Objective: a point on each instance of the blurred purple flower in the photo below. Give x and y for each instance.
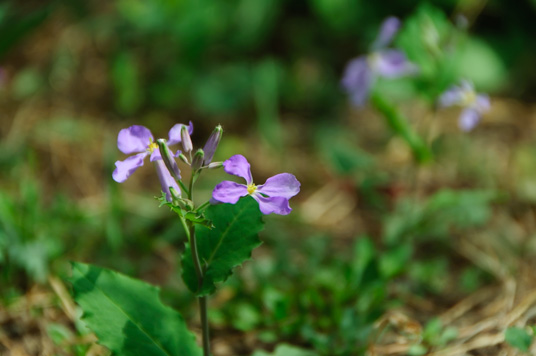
(474, 104)
(139, 140)
(272, 196)
(361, 72)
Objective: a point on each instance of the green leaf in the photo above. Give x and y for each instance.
(432, 330)
(364, 255)
(225, 246)
(481, 63)
(394, 261)
(127, 315)
(518, 338)
(432, 43)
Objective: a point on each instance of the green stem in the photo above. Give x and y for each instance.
(204, 325)
(184, 188)
(399, 124)
(200, 276)
(202, 207)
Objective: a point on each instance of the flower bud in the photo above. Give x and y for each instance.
(197, 161)
(166, 180)
(186, 140)
(168, 159)
(212, 144)
(184, 158)
(213, 165)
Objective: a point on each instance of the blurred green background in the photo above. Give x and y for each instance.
(370, 227)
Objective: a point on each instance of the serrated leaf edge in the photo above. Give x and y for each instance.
(211, 288)
(156, 289)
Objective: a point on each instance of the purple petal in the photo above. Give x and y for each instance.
(277, 205)
(283, 185)
(175, 133)
(166, 180)
(238, 166)
(468, 119)
(392, 63)
(124, 169)
(467, 85)
(389, 28)
(156, 155)
(229, 192)
(453, 96)
(482, 103)
(357, 80)
(134, 139)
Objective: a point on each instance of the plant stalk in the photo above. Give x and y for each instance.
(202, 300)
(399, 124)
(200, 275)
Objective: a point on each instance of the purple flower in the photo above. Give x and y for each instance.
(139, 140)
(361, 72)
(272, 196)
(474, 104)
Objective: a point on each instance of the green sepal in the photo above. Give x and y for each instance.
(184, 210)
(199, 218)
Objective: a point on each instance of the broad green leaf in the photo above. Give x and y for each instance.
(518, 338)
(127, 315)
(225, 246)
(482, 64)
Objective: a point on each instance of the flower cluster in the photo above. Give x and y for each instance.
(361, 72)
(273, 196)
(139, 140)
(474, 104)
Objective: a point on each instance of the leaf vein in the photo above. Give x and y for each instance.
(130, 318)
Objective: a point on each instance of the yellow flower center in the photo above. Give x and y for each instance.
(468, 98)
(152, 146)
(251, 188)
(373, 59)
